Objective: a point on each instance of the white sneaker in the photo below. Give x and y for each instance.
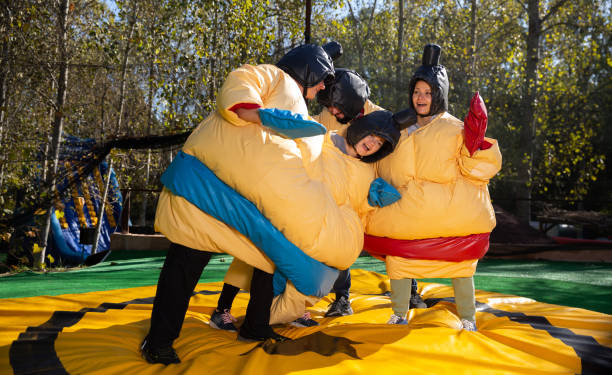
(468, 325)
(396, 319)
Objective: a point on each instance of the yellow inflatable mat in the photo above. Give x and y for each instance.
(100, 332)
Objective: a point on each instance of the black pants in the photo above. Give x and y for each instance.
(177, 280)
(342, 285)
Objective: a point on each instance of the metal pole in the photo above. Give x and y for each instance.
(307, 25)
(94, 247)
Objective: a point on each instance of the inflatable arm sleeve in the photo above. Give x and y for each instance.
(291, 125)
(475, 125)
(191, 179)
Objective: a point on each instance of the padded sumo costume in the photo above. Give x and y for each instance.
(342, 174)
(441, 225)
(314, 195)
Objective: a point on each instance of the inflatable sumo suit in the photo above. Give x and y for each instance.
(349, 93)
(441, 225)
(351, 182)
(311, 202)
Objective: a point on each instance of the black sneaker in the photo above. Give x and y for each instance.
(165, 355)
(304, 321)
(340, 307)
(246, 336)
(223, 320)
(416, 302)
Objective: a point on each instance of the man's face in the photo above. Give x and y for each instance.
(311, 92)
(369, 145)
(336, 112)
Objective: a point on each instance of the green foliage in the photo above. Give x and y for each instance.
(489, 56)
(178, 53)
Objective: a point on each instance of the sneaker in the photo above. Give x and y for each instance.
(304, 321)
(165, 355)
(416, 302)
(396, 319)
(340, 307)
(246, 336)
(468, 325)
(223, 320)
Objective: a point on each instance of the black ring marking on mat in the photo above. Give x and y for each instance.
(594, 357)
(34, 350)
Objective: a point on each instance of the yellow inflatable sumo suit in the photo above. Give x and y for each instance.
(348, 93)
(441, 225)
(314, 195)
(444, 194)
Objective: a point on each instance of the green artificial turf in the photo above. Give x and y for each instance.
(585, 285)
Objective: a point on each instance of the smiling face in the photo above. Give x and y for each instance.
(369, 145)
(421, 98)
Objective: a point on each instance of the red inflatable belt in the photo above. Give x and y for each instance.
(452, 249)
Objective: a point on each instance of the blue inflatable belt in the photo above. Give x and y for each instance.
(290, 124)
(191, 179)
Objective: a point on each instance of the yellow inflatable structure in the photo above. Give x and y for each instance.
(99, 333)
(309, 191)
(444, 194)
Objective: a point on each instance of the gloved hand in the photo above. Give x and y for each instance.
(291, 125)
(382, 193)
(475, 125)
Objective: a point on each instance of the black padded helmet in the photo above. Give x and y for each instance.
(348, 92)
(435, 75)
(308, 64)
(333, 49)
(380, 123)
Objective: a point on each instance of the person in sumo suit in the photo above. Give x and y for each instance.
(441, 166)
(298, 75)
(344, 101)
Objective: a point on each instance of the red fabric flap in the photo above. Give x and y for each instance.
(452, 249)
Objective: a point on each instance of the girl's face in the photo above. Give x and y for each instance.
(369, 145)
(421, 98)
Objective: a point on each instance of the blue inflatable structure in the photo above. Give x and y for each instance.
(76, 217)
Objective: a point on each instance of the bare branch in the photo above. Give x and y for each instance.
(522, 4)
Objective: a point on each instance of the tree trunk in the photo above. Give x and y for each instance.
(473, 42)
(307, 25)
(527, 106)
(3, 77)
(143, 208)
(4, 72)
(212, 84)
(58, 119)
(399, 63)
(126, 55)
(359, 36)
